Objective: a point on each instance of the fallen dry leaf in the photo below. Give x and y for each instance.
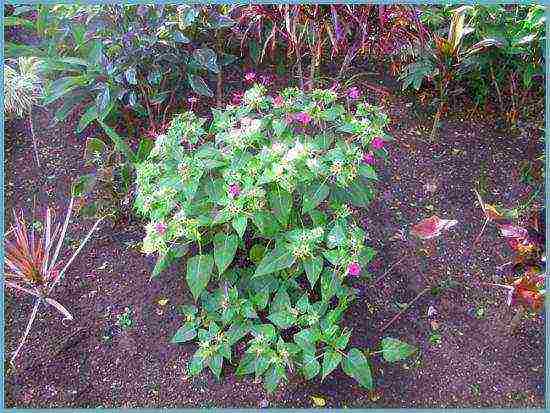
(512, 231)
(432, 227)
(318, 401)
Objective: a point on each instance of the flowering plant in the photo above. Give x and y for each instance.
(264, 194)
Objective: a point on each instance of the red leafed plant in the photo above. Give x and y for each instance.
(33, 264)
(526, 280)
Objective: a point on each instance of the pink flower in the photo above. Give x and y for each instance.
(250, 77)
(192, 100)
(354, 93)
(278, 101)
(234, 190)
(237, 98)
(354, 269)
(266, 79)
(303, 118)
(377, 143)
(368, 158)
(160, 227)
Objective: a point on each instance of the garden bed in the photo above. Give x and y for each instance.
(467, 356)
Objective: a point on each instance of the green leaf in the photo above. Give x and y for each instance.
(215, 363)
(199, 270)
(118, 141)
(313, 268)
(89, 116)
(196, 364)
(95, 149)
(336, 236)
(280, 202)
(130, 75)
(102, 100)
(207, 58)
(367, 171)
(357, 366)
(179, 37)
(267, 226)
(164, 261)
(331, 359)
(273, 376)
(394, 350)
(256, 253)
(199, 86)
(83, 185)
(261, 363)
(310, 365)
(305, 339)
(225, 247)
(313, 196)
(185, 333)
(239, 224)
(144, 148)
(246, 365)
(277, 260)
(282, 319)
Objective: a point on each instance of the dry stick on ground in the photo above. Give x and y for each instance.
(399, 314)
(487, 219)
(388, 270)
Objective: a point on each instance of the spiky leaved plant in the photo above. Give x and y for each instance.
(33, 264)
(22, 90)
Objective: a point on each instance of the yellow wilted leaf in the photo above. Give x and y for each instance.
(163, 301)
(318, 401)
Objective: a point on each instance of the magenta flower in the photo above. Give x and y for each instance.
(250, 77)
(377, 143)
(160, 227)
(266, 79)
(335, 86)
(303, 118)
(237, 98)
(354, 93)
(234, 190)
(278, 101)
(368, 158)
(192, 100)
(354, 269)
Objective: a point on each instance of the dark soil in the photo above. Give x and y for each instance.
(468, 358)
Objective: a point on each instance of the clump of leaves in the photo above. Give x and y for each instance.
(34, 265)
(525, 282)
(273, 180)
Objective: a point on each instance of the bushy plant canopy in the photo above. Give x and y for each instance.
(263, 197)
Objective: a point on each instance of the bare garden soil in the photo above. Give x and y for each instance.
(467, 357)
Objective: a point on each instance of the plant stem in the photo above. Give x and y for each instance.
(399, 314)
(27, 329)
(388, 270)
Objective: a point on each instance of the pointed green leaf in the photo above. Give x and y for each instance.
(313, 268)
(280, 202)
(394, 350)
(313, 196)
(310, 365)
(185, 333)
(282, 319)
(331, 359)
(239, 224)
(225, 247)
(215, 363)
(357, 366)
(199, 270)
(276, 260)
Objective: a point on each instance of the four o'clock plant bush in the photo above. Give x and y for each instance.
(259, 202)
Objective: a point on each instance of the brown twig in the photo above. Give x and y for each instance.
(388, 270)
(399, 314)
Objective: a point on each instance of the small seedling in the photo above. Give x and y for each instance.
(435, 339)
(480, 313)
(125, 320)
(475, 389)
